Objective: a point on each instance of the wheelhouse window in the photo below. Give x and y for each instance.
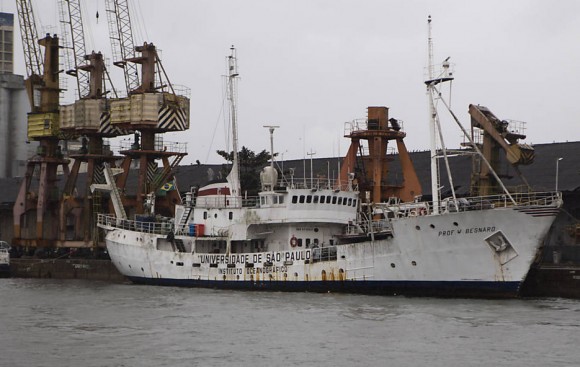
(309, 199)
(301, 199)
(315, 199)
(294, 199)
(334, 199)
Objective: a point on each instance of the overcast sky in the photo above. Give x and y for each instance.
(310, 66)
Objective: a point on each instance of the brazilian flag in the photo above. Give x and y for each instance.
(169, 186)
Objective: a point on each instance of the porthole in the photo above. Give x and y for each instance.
(432, 225)
(296, 274)
(129, 266)
(414, 263)
(392, 265)
(455, 224)
(142, 270)
(417, 228)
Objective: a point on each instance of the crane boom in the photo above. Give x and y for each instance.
(121, 35)
(71, 16)
(32, 53)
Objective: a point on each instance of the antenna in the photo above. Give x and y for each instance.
(272, 128)
(232, 97)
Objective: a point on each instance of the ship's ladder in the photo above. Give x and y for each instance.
(111, 187)
(184, 218)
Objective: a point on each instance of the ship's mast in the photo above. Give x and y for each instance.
(234, 176)
(432, 126)
(436, 136)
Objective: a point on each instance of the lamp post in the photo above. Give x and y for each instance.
(557, 170)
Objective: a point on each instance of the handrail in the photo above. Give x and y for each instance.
(524, 199)
(163, 228)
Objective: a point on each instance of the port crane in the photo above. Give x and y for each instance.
(496, 136)
(89, 117)
(38, 197)
(150, 108)
(371, 165)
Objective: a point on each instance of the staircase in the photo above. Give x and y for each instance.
(111, 187)
(184, 218)
(115, 195)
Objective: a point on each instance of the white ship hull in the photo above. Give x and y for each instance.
(471, 253)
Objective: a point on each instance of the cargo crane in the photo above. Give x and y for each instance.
(371, 168)
(36, 207)
(151, 107)
(121, 36)
(89, 116)
(496, 137)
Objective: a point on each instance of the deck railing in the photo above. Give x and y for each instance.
(163, 227)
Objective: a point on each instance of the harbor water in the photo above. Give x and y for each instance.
(89, 323)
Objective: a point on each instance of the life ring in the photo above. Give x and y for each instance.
(293, 241)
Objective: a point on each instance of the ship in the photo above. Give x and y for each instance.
(4, 259)
(347, 234)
